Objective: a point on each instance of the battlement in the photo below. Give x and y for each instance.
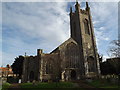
(83, 11)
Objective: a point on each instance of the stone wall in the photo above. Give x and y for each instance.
(31, 66)
(50, 66)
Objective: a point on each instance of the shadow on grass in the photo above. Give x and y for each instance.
(103, 84)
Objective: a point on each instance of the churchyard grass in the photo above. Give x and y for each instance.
(5, 86)
(103, 84)
(48, 85)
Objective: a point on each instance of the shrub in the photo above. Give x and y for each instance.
(12, 79)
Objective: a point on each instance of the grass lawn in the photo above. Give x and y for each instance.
(58, 85)
(100, 84)
(48, 85)
(5, 86)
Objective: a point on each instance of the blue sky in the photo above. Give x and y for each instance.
(27, 26)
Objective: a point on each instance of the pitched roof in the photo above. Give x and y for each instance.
(64, 43)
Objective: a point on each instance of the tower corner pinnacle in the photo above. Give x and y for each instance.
(77, 6)
(87, 6)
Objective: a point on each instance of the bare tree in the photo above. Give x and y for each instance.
(114, 49)
(7, 71)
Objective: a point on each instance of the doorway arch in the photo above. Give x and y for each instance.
(73, 75)
(31, 76)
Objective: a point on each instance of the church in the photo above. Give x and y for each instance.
(75, 59)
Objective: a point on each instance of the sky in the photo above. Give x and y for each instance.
(28, 26)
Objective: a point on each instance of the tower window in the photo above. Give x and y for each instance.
(74, 25)
(86, 26)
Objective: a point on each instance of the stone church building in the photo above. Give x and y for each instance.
(75, 59)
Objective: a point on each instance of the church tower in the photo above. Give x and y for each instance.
(82, 32)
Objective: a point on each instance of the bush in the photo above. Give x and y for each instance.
(12, 79)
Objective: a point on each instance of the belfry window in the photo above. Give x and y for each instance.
(86, 27)
(74, 26)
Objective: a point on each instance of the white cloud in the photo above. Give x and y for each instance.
(102, 28)
(104, 19)
(105, 57)
(100, 36)
(8, 57)
(34, 25)
(95, 22)
(44, 22)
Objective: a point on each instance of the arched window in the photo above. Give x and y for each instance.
(86, 27)
(49, 67)
(91, 67)
(31, 76)
(72, 55)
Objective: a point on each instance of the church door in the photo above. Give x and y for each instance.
(31, 76)
(73, 75)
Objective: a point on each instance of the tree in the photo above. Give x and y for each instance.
(114, 49)
(7, 71)
(100, 56)
(17, 66)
